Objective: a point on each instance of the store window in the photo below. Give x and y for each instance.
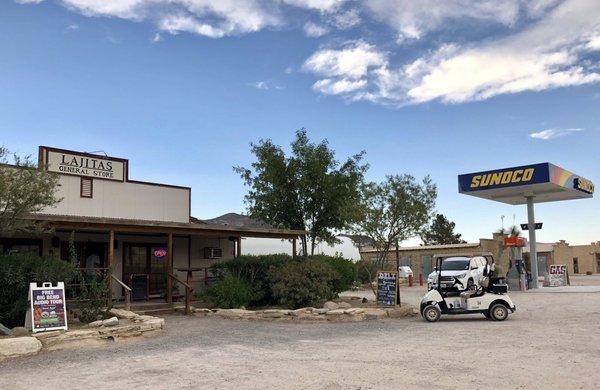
(21, 246)
(575, 265)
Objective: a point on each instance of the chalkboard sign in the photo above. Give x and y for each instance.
(139, 286)
(387, 285)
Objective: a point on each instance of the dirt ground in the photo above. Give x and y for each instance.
(552, 341)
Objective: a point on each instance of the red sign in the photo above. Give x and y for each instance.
(160, 253)
(514, 241)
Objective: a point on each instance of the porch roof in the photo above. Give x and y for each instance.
(143, 226)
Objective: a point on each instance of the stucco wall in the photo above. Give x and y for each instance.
(127, 200)
(585, 254)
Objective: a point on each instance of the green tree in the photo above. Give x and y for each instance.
(307, 190)
(24, 189)
(394, 210)
(440, 232)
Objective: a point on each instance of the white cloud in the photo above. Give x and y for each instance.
(413, 19)
(553, 133)
(72, 27)
(353, 61)
(550, 53)
(346, 20)
(333, 87)
(28, 1)
(157, 38)
(314, 30)
(320, 5)
(265, 85)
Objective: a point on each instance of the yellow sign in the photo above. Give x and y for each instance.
(584, 185)
(502, 177)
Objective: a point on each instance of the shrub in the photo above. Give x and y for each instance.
(302, 283)
(345, 269)
(16, 272)
(230, 293)
(254, 271)
(92, 298)
(366, 271)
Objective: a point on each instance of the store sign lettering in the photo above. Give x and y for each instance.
(85, 165)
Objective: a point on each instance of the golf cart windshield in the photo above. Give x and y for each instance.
(455, 264)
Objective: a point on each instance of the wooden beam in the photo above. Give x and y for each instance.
(294, 248)
(239, 246)
(111, 261)
(169, 266)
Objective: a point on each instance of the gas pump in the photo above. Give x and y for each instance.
(517, 274)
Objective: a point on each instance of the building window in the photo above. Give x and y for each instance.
(575, 265)
(405, 261)
(598, 262)
(86, 188)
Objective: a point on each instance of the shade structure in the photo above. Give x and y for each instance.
(545, 182)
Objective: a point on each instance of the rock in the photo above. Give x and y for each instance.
(236, 313)
(336, 312)
(375, 314)
(19, 331)
(112, 321)
(320, 311)
(354, 311)
(275, 313)
(95, 324)
(365, 300)
(4, 330)
(399, 312)
(301, 312)
(341, 315)
(19, 346)
(120, 313)
(329, 305)
(344, 305)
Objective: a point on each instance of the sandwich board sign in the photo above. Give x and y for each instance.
(557, 277)
(48, 307)
(387, 286)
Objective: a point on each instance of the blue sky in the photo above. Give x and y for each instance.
(182, 87)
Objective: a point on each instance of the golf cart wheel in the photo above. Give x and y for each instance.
(431, 313)
(498, 312)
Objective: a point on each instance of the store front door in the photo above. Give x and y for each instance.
(146, 259)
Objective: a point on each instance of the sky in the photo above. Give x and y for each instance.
(182, 87)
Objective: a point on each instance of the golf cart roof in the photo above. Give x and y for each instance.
(546, 182)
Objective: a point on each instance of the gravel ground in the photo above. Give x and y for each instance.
(552, 341)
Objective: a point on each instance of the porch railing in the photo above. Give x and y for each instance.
(127, 292)
(188, 292)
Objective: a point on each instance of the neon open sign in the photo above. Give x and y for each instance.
(160, 253)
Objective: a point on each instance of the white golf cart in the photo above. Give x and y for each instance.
(488, 297)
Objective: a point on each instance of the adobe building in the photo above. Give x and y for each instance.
(128, 228)
(579, 259)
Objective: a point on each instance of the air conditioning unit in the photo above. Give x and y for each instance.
(213, 253)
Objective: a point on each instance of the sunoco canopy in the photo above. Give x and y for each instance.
(545, 181)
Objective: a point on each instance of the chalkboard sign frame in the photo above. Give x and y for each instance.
(134, 296)
(395, 273)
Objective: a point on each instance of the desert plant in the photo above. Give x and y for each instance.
(302, 283)
(229, 293)
(365, 271)
(16, 272)
(345, 269)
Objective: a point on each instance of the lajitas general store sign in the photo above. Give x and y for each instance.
(88, 165)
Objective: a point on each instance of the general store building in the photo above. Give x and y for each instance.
(129, 228)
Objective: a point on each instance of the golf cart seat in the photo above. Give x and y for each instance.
(484, 282)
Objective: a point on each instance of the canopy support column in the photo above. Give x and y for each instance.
(169, 268)
(532, 242)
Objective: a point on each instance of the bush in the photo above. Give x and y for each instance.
(345, 269)
(92, 299)
(366, 271)
(230, 293)
(16, 272)
(253, 271)
(302, 283)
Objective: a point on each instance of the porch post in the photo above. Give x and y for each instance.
(169, 268)
(111, 261)
(294, 248)
(239, 247)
